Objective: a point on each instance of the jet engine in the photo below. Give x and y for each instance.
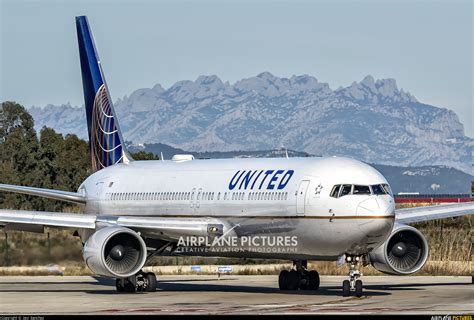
(404, 252)
(115, 252)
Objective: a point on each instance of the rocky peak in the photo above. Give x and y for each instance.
(374, 91)
(210, 81)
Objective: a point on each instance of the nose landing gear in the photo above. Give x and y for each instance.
(353, 284)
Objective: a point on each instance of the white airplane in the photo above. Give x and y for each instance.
(299, 209)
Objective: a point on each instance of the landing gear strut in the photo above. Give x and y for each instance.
(299, 277)
(353, 284)
(142, 281)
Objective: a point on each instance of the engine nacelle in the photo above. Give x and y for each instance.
(404, 252)
(115, 252)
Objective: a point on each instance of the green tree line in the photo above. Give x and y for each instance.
(45, 160)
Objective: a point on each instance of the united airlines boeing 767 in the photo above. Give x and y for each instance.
(298, 209)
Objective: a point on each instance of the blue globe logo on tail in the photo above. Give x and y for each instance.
(106, 146)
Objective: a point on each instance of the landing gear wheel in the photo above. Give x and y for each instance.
(283, 280)
(151, 282)
(358, 288)
(313, 280)
(119, 286)
(130, 287)
(293, 280)
(346, 288)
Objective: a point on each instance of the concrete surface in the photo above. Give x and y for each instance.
(235, 295)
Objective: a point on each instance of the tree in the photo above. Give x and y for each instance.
(75, 163)
(143, 155)
(51, 162)
(18, 150)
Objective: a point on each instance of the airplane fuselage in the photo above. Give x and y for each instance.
(257, 197)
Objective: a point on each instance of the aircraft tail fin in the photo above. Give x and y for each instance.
(105, 139)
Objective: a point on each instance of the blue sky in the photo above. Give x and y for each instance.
(425, 45)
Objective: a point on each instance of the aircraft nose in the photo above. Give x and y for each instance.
(387, 205)
(376, 206)
(368, 207)
(375, 220)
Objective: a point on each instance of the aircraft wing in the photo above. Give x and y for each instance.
(23, 219)
(47, 193)
(165, 228)
(417, 214)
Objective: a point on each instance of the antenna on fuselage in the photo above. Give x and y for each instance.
(161, 156)
(286, 153)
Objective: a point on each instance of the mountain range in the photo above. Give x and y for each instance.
(371, 120)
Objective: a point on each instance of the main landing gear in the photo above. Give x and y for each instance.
(299, 277)
(142, 281)
(353, 284)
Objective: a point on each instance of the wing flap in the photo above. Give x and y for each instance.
(46, 193)
(172, 228)
(418, 214)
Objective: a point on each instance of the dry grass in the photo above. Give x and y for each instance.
(324, 268)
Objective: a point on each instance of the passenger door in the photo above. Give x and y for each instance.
(301, 197)
(198, 198)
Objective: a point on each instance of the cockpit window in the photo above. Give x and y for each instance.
(340, 190)
(361, 189)
(387, 189)
(378, 189)
(335, 191)
(346, 189)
